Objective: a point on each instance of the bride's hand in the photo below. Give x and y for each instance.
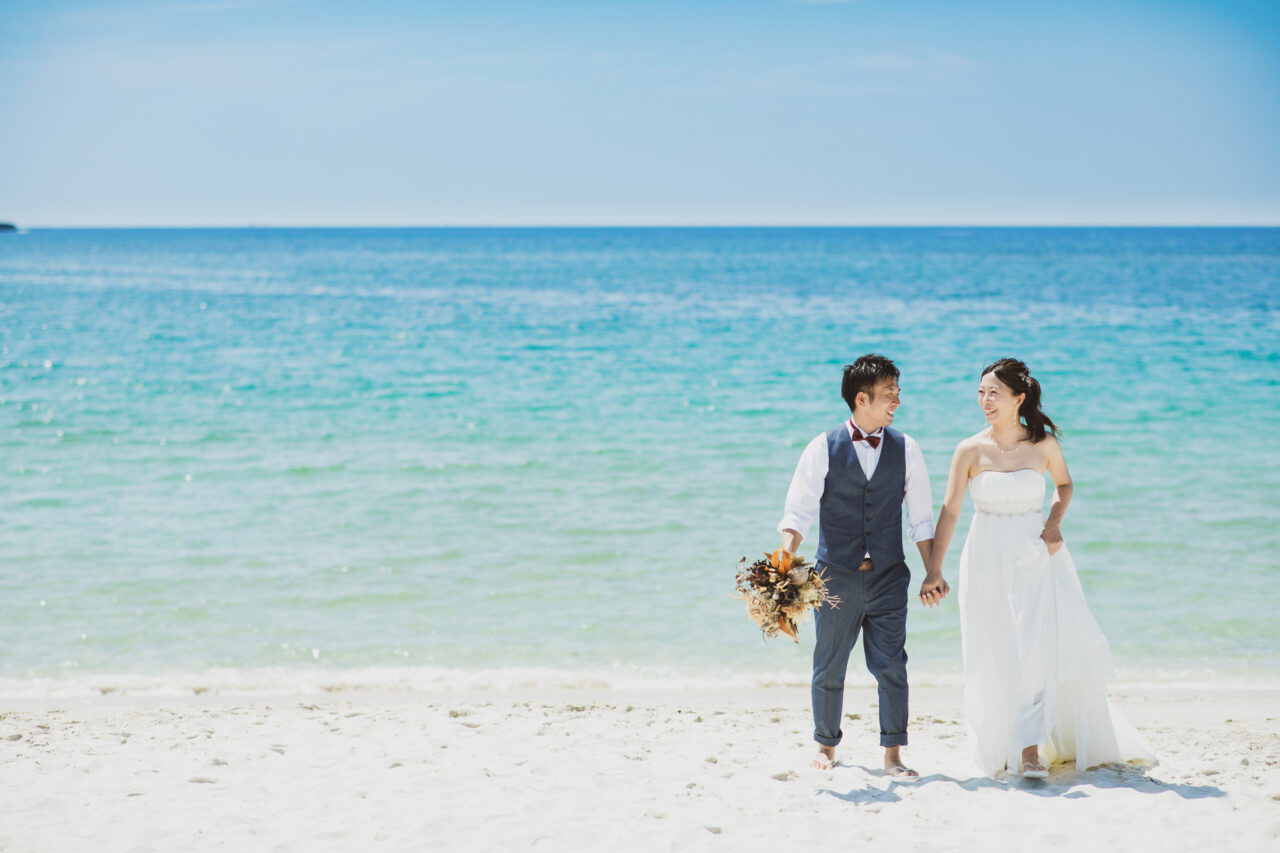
(1052, 537)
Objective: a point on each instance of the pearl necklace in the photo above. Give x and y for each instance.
(1013, 449)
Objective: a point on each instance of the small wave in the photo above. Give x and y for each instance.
(217, 437)
(411, 680)
(309, 470)
(42, 503)
(319, 681)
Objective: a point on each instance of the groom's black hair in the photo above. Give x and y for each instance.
(863, 376)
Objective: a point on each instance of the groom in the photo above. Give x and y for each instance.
(856, 479)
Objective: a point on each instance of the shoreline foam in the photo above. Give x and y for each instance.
(428, 680)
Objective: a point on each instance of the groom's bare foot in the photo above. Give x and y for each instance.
(894, 768)
(825, 759)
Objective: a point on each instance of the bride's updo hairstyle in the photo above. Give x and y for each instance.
(1014, 373)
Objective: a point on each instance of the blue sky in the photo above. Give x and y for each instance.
(309, 112)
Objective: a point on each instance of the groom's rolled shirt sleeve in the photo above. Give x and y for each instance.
(805, 494)
(918, 497)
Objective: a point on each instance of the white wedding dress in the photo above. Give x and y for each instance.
(1035, 661)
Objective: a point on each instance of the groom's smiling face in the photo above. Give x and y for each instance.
(876, 409)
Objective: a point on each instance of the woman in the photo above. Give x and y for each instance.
(1035, 661)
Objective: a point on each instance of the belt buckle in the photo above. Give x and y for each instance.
(865, 565)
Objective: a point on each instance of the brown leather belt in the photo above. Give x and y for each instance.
(865, 565)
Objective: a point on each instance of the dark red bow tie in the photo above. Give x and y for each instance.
(873, 440)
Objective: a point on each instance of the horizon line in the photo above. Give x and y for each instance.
(636, 225)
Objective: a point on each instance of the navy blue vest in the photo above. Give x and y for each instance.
(856, 517)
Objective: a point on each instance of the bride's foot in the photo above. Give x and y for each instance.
(1031, 766)
(895, 769)
(825, 759)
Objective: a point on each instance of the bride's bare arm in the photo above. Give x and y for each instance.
(1062, 489)
(957, 485)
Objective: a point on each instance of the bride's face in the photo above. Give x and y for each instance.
(998, 402)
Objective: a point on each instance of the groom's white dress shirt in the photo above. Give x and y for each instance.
(805, 494)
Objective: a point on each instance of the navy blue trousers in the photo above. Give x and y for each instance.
(875, 604)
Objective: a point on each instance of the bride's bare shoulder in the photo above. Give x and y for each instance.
(973, 442)
(968, 451)
(1049, 448)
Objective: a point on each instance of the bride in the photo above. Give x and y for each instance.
(1035, 661)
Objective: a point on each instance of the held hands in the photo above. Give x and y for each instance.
(1052, 537)
(934, 589)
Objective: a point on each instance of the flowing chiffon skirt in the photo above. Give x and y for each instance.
(1036, 663)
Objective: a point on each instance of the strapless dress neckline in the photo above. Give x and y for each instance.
(1008, 492)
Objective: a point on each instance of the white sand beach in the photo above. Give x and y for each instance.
(593, 769)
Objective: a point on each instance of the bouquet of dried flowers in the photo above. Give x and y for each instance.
(779, 590)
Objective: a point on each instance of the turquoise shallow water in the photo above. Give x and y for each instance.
(344, 449)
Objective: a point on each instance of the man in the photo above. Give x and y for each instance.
(855, 480)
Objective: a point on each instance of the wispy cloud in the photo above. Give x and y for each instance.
(885, 62)
(113, 18)
(874, 73)
(225, 5)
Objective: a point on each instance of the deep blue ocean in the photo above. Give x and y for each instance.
(426, 453)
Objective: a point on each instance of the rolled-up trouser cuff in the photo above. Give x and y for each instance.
(899, 739)
(830, 741)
